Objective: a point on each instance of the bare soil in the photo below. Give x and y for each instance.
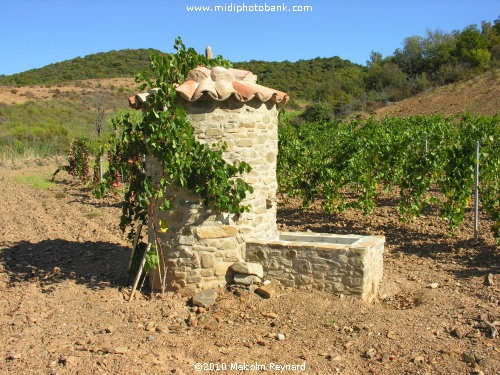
(72, 90)
(478, 96)
(64, 308)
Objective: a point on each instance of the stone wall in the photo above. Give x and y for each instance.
(199, 245)
(340, 264)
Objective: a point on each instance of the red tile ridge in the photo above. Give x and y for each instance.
(219, 84)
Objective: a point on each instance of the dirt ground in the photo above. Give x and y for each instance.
(63, 307)
(480, 96)
(71, 90)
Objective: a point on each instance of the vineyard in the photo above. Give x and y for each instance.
(429, 160)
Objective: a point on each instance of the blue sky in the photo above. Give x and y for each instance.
(36, 33)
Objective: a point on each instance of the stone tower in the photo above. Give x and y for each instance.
(223, 105)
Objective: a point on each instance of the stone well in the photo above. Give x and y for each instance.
(226, 105)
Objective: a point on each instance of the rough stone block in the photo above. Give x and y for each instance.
(246, 280)
(215, 231)
(248, 268)
(193, 279)
(302, 266)
(266, 291)
(214, 132)
(205, 298)
(245, 142)
(207, 273)
(221, 268)
(207, 261)
(186, 240)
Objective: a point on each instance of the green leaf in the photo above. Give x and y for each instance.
(163, 226)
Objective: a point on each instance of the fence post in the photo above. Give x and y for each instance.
(476, 193)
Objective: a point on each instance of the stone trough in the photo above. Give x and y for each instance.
(344, 264)
(200, 246)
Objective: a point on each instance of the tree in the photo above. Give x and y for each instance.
(471, 48)
(410, 59)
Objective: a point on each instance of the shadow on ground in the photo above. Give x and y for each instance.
(94, 264)
(76, 193)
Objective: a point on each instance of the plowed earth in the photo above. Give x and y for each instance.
(64, 308)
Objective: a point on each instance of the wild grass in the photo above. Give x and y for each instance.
(38, 182)
(93, 215)
(46, 128)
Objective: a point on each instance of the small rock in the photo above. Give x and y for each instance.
(459, 331)
(469, 358)
(266, 291)
(270, 315)
(205, 298)
(248, 268)
(281, 337)
(370, 353)
(119, 350)
(252, 288)
(160, 328)
(477, 372)
(419, 359)
(488, 280)
(484, 317)
(13, 356)
(261, 343)
(192, 321)
(201, 310)
(266, 282)
(62, 360)
(150, 338)
(433, 285)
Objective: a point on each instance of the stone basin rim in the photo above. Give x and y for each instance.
(303, 239)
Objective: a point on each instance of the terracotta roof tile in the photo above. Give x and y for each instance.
(220, 84)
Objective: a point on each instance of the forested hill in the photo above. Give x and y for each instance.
(335, 86)
(112, 64)
(314, 79)
(302, 79)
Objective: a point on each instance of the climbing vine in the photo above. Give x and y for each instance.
(164, 132)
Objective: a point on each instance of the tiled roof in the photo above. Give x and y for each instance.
(220, 84)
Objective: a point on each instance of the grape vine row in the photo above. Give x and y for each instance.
(348, 164)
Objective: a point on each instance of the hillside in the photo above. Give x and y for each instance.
(325, 78)
(112, 64)
(480, 95)
(72, 90)
(342, 88)
(314, 79)
(43, 119)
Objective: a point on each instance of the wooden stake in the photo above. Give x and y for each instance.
(139, 272)
(134, 245)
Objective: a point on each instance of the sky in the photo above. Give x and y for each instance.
(37, 33)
